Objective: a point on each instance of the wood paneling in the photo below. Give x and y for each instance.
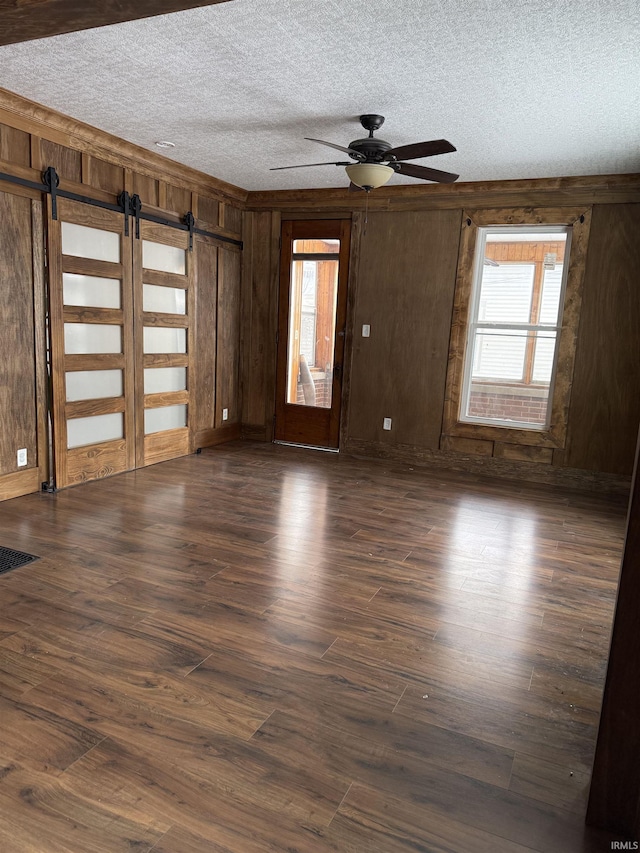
(178, 199)
(259, 318)
(232, 218)
(36, 19)
(474, 446)
(614, 802)
(605, 401)
(522, 452)
(468, 462)
(23, 482)
(204, 393)
(66, 161)
(208, 210)
(543, 192)
(18, 412)
(407, 272)
(228, 337)
(241, 652)
(146, 187)
(15, 146)
(105, 176)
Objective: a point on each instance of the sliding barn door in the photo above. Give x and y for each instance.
(164, 303)
(92, 355)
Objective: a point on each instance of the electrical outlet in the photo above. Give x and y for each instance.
(386, 423)
(366, 330)
(22, 457)
(225, 414)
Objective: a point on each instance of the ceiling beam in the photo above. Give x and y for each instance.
(24, 20)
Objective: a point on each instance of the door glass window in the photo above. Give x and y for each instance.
(158, 256)
(85, 338)
(91, 291)
(165, 300)
(160, 339)
(160, 380)
(164, 418)
(93, 384)
(312, 322)
(83, 242)
(83, 431)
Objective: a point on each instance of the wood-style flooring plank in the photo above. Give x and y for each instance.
(262, 648)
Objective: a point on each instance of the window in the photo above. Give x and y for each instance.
(515, 313)
(514, 329)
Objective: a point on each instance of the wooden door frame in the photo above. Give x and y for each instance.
(294, 229)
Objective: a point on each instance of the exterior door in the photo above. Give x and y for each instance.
(91, 315)
(311, 328)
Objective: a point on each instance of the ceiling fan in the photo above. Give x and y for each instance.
(376, 160)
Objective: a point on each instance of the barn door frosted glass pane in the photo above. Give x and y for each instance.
(83, 242)
(167, 300)
(83, 431)
(93, 384)
(158, 380)
(168, 417)
(157, 256)
(156, 339)
(312, 327)
(90, 291)
(91, 338)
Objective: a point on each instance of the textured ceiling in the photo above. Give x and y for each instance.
(522, 88)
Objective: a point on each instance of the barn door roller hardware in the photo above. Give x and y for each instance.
(128, 205)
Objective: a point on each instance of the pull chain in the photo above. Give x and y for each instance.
(366, 213)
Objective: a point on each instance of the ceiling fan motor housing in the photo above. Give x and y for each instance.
(373, 150)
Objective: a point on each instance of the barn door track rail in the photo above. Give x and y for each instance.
(128, 205)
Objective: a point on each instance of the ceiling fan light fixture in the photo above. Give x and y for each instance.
(369, 176)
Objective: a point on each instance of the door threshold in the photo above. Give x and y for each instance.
(307, 446)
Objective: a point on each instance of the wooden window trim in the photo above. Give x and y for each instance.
(555, 435)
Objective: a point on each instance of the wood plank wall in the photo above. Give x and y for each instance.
(605, 400)
(259, 323)
(21, 348)
(96, 164)
(408, 273)
(404, 286)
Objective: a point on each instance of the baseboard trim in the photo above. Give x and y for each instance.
(219, 435)
(255, 432)
(531, 472)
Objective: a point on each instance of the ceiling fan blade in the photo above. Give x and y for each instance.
(427, 174)
(421, 149)
(350, 151)
(306, 166)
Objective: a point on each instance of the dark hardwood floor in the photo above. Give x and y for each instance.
(262, 648)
